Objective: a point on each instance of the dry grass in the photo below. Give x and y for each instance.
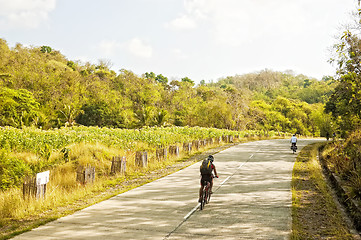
(315, 214)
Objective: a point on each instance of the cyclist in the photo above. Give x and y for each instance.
(207, 177)
(293, 140)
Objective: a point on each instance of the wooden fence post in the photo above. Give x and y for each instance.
(195, 145)
(118, 165)
(35, 186)
(174, 150)
(85, 174)
(187, 148)
(89, 174)
(123, 165)
(29, 187)
(201, 143)
(161, 154)
(141, 159)
(225, 138)
(40, 191)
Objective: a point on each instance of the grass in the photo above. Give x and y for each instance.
(315, 214)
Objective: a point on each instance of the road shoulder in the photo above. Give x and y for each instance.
(315, 212)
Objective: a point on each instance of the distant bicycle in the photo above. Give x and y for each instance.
(293, 148)
(293, 143)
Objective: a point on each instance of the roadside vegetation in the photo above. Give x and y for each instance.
(343, 160)
(315, 214)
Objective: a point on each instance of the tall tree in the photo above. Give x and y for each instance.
(345, 102)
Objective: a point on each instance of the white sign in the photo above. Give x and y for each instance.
(42, 178)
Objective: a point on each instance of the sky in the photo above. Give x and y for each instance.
(200, 39)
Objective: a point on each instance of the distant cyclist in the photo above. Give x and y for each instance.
(206, 172)
(293, 140)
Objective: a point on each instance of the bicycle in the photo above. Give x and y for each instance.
(293, 148)
(206, 196)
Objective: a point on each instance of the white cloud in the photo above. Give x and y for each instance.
(109, 47)
(184, 22)
(196, 10)
(179, 54)
(134, 47)
(234, 22)
(139, 48)
(25, 13)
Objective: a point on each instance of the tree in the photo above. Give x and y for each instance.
(159, 78)
(345, 102)
(17, 107)
(188, 80)
(46, 49)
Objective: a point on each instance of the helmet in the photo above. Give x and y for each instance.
(211, 158)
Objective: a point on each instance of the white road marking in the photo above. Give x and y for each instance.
(225, 180)
(241, 165)
(192, 211)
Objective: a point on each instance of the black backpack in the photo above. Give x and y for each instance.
(206, 167)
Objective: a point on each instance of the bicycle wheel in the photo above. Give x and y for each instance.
(208, 195)
(203, 200)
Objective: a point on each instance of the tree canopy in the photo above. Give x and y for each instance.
(39, 86)
(345, 101)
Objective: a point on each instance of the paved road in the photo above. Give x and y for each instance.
(252, 200)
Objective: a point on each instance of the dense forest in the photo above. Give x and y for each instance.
(39, 86)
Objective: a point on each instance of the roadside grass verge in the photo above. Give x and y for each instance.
(315, 215)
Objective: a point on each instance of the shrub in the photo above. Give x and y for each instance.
(12, 170)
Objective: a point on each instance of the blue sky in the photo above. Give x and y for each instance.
(199, 39)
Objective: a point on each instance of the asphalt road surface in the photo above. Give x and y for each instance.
(251, 200)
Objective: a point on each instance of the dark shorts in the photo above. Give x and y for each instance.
(206, 178)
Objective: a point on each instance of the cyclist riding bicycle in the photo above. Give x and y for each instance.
(206, 172)
(293, 141)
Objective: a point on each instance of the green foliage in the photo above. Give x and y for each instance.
(99, 114)
(18, 107)
(12, 171)
(290, 116)
(42, 142)
(65, 93)
(161, 79)
(46, 49)
(344, 158)
(188, 80)
(345, 102)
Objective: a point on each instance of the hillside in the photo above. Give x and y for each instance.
(39, 86)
